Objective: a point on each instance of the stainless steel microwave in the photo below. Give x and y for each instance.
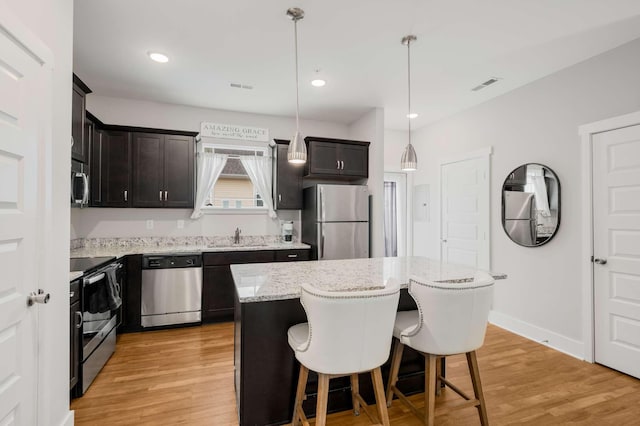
(79, 184)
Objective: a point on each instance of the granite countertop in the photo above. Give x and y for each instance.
(120, 247)
(278, 281)
(74, 275)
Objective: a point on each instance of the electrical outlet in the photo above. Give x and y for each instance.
(150, 224)
(180, 224)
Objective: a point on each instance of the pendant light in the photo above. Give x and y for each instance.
(297, 152)
(409, 161)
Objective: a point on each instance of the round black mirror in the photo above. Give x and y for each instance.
(531, 205)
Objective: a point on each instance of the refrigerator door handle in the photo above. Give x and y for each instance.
(321, 215)
(321, 256)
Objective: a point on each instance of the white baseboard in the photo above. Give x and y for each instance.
(540, 335)
(69, 420)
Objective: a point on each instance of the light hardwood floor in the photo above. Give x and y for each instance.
(185, 377)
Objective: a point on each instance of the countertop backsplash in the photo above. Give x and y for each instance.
(199, 241)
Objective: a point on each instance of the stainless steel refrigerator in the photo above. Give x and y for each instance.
(519, 216)
(335, 221)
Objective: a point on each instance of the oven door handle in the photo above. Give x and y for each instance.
(93, 279)
(80, 319)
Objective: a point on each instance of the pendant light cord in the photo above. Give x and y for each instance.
(409, 86)
(295, 34)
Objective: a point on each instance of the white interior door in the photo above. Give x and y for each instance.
(25, 133)
(464, 220)
(616, 215)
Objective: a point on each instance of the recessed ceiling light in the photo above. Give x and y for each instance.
(412, 115)
(318, 82)
(158, 57)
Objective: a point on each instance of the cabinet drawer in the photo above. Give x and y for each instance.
(291, 255)
(74, 291)
(233, 257)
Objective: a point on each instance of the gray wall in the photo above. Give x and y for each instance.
(536, 123)
(370, 127)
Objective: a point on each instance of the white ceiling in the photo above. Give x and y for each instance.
(355, 43)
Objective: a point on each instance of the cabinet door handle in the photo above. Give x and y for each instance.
(341, 165)
(79, 319)
(338, 164)
(279, 197)
(292, 255)
(125, 195)
(160, 196)
(71, 294)
(166, 195)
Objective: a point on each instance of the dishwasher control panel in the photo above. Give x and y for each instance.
(168, 261)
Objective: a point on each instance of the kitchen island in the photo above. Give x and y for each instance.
(268, 303)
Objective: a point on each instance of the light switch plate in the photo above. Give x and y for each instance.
(421, 203)
(150, 224)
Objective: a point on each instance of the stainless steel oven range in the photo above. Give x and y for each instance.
(101, 314)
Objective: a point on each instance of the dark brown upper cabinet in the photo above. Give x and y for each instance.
(80, 144)
(163, 172)
(287, 179)
(111, 169)
(337, 158)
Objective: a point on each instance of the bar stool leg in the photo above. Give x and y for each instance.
(323, 396)
(396, 358)
(302, 385)
(378, 388)
(438, 372)
(472, 361)
(355, 390)
(430, 375)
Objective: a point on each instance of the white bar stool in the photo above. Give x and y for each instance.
(348, 333)
(451, 319)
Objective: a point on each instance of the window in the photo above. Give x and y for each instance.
(234, 189)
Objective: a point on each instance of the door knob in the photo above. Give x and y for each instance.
(39, 297)
(600, 261)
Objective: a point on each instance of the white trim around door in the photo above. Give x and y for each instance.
(586, 133)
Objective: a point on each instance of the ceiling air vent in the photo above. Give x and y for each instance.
(240, 86)
(489, 82)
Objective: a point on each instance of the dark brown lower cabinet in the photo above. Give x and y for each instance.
(218, 288)
(132, 295)
(217, 293)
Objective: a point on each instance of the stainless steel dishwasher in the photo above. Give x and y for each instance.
(171, 289)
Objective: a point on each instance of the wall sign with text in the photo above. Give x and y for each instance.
(233, 131)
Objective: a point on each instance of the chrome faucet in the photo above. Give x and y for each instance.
(236, 236)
